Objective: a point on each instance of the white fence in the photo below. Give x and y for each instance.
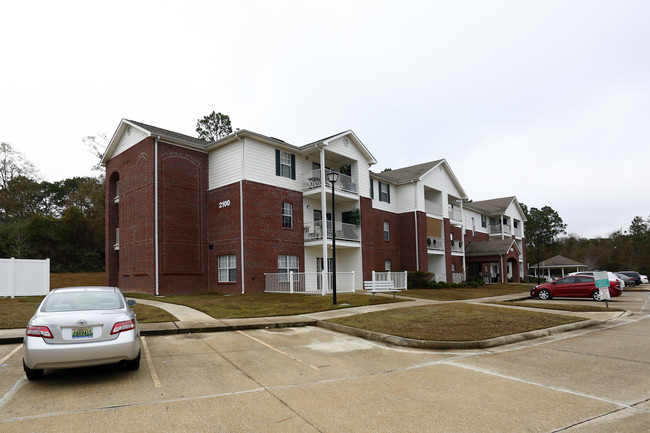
(22, 277)
(308, 282)
(398, 278)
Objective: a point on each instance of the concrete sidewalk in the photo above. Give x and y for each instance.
(191, 320)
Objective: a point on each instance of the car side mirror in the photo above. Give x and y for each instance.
(131, 302)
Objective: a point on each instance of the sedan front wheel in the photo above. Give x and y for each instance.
(544, 294)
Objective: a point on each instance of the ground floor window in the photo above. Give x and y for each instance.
(227, 269)
(387, 265)
(287, 264)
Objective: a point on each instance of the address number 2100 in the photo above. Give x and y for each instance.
(224, 203)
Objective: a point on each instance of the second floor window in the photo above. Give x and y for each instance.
(386, 231)
(285, 164)
(483, 221)
(384, 192)
(287, 215)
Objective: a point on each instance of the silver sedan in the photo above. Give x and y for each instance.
(81, 327)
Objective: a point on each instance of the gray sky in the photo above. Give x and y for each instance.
(545, 100)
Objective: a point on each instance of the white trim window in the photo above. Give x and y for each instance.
(384, 192)
(287, 216)
(227, 269)
(386, 231)
(285, 164)
(387, 265)
(287, 264)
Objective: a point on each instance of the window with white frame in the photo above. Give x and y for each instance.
(285, 164)
(453, 268)
(386, 231)
(227, 269)
(287, 264)
(387, 265)
(483, 221)
(287, 215)
(384, 192)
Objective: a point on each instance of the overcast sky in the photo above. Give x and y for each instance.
(545, 100)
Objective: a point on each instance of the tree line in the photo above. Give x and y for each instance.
(62, 221)
(622, 250)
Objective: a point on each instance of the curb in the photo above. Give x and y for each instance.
(440, 345)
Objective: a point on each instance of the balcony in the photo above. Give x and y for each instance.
(500, 228)
(433, 208)
(344, 232)
(344, 184)
(455, 214)
(457, 246)
(435, 244)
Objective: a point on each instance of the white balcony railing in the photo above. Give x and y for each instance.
(344, 231)
(434, 243)
(457, 247)
(308, 282)
(345, 182)
(500, 228)
(433, 207)
(455, 214)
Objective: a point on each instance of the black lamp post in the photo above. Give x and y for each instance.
(332, 177)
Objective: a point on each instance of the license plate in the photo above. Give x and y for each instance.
(82, 333)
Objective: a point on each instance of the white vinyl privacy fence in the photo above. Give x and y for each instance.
(23, 277)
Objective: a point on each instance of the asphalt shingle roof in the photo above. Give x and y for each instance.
(494, 206)
(169, 134)
(408, 174)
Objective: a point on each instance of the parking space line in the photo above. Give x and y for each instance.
(2, 361)
(279, 351)
(152, 370)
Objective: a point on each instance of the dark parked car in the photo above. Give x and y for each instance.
(634, 275)
(576, 286)
(629, 281)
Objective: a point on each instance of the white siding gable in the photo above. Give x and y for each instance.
(130, 138)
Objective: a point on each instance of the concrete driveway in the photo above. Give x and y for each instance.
(314, 380)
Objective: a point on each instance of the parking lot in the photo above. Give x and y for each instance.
(314, 380)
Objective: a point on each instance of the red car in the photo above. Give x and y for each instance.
(576, 286)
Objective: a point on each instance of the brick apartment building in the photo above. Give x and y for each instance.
(188, 216)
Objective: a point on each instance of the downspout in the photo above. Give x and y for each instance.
(156, 239)
(241, 213)
(462, 237)
(417, 240)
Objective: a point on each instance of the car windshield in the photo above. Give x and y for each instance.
(78, 301)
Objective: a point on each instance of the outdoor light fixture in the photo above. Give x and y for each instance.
(332, 177)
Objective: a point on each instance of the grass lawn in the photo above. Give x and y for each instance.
(454, 322)
(582, 308)
(468, 292)
(266, 304)
(15, 313)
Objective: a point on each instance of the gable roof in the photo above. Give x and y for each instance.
(151, 131)
(559, 261)
(415, 173)
(491, 247)
(496, 206)
(408, 174)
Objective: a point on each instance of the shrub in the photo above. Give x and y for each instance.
(420, 280)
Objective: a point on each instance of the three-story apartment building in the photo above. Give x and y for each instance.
(186, 216)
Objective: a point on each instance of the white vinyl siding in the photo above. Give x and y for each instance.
(128, 140)
(225, 166)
